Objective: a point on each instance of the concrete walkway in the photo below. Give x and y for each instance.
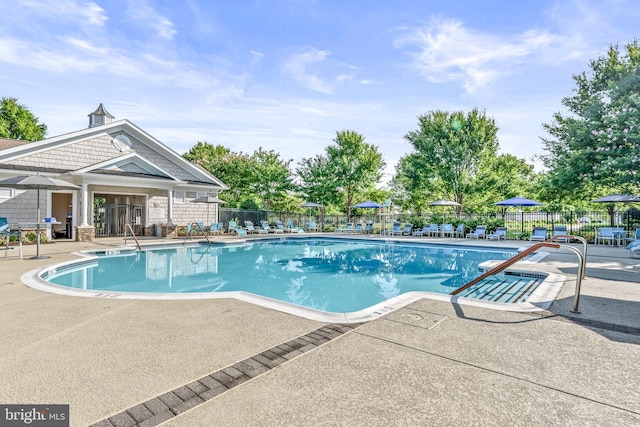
(430, 363)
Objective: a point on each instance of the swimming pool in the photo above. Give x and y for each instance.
(326, 275)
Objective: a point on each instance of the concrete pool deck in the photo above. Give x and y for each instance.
(429, 363)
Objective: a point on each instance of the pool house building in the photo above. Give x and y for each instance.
(123, 174)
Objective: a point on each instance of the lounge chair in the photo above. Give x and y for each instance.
(480, 233)
(633, 237)
(240, 231)
(560, 230)
(425, 230)
(279, 226)
(291, 228)
(447, 229)
(459, 232)
(501, 233)
(216, 228)
(265, 226)
(311, 226)
(368, 228)
(539, 234)
(232, 226)
(251, 229)
(348, 228)
(6, 233)
(359, 228)
(406, 231)
(434, 230)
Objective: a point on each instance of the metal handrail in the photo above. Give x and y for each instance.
(201, 229)
(127, 225)
(524, 253)
(584, 246)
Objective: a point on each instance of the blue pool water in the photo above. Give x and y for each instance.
(330, 275)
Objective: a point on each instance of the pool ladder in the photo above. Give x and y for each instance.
(127, 226)
(548, 244)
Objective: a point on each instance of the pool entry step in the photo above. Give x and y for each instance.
(503, 288)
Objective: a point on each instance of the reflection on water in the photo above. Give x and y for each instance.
(330, 275)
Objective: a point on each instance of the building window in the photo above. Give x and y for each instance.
(6, 193)
(200, 194)
(179, 196)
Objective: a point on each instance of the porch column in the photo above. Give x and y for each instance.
(170, 207)
(85, 204)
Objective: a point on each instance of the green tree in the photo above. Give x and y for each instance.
(357, 166)
(593, 149)
(234, 169)
(17, 122)
(451, 150)
(317, 182)
(506, 176)
(271, 178)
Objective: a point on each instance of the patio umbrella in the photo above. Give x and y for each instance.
(370, 205)
(208, 200)
(442, 202)
(611, 199)
(37, 182)
(519, 202)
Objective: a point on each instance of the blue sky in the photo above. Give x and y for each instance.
(286, 75)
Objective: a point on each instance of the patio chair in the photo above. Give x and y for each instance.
(347, 228)
(560, 230)
(406, 231)
(216, 228)
(368, 228)
(396, 230)
(358, 228)
(232, 226)
(251, 229)
(447, 229)
(479, 233)
(311, 226)
(635, 236)
(425, 230)
(291, 228)
(459, 231)
(434, 230)
(279, 226)
(266, 227)
(6, 233)
(539, 234)
(501, 233)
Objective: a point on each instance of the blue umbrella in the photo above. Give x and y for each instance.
(519, 201)
(522, 202)
(368, 204)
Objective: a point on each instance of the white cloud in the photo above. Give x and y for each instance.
(445, 50)
(306, 67)
(81, 11)
(142, 12)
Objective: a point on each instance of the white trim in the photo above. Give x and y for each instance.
(124, 126)
(116, 161)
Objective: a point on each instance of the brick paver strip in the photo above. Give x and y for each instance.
(166, 406)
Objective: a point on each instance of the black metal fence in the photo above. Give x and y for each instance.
(519, 223)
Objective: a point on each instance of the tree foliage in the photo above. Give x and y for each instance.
(262, 175)
(17, 122)
(451, 149)
(593, 150)
(356, 165)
